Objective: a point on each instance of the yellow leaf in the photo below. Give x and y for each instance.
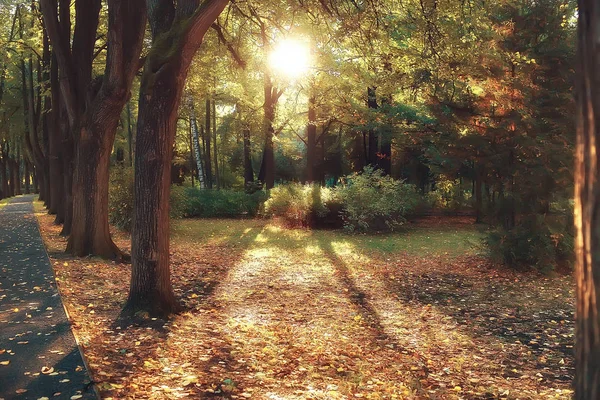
(457, 388)
(46, 370)
(4, 362)
(188, 380)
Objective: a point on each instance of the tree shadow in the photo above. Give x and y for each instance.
(498, 309)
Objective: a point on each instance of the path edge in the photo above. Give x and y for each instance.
(79, 347)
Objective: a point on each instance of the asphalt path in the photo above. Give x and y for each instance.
(39, 357)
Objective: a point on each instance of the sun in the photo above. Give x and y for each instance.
(291, 58)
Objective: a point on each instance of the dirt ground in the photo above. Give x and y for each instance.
(281, 314)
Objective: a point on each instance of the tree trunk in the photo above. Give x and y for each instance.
(267, 166)
(90, 229)
(248, 171)
(478, 196)
(129, 135)
(372, 135)
(67, 152)
(195, 137)
(207, 140)
(27, 177)
(587, 201)
(311, 141)
(160, 95)
(4, 178)
(55, 168)
(17, 172)
(216, 154)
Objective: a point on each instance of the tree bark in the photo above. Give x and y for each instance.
(587, 203)
(267, 168)
(248, 171)
(163, 79)
(90, 229)
(55, 168)
(195, 137)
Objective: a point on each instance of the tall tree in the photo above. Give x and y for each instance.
(587, 201)
(177, 33)
(94, 108)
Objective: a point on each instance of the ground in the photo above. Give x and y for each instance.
(276, 313)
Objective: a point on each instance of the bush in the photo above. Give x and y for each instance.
(300, 205)
(535, 242)
(448, 196)
(120, 197)
(372, 201)
(221, 203)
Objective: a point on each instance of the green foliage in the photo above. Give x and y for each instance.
(300, 205)
(120, 198)
(535, 242)
(221, 203)
(376, 202)
(448, 196)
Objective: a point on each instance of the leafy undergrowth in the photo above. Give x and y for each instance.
(274, 313)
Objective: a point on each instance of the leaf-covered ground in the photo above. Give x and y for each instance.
(274, 313)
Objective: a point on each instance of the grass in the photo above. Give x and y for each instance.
(413, 240)
(276, 313)
(4, 202)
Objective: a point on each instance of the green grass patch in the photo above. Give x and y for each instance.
(415, 241)
(4, 202)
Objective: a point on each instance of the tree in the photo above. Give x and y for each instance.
(94, 108)
(177, 33)
(587, 200)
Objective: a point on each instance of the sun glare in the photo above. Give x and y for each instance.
(291, 58)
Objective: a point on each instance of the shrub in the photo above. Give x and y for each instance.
(120, 199)
(448, 196)
(299, 205)
(373, 201)
(221, 203)
(535, 242)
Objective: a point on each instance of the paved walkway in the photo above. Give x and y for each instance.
(38, 354)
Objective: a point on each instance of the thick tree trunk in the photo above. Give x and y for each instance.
(68, 167)
(90, 230)
(55, 168)
(587, 202)
(160, 94)
(151, 288)
(267, 167)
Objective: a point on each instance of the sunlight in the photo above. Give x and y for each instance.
(291, 58)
